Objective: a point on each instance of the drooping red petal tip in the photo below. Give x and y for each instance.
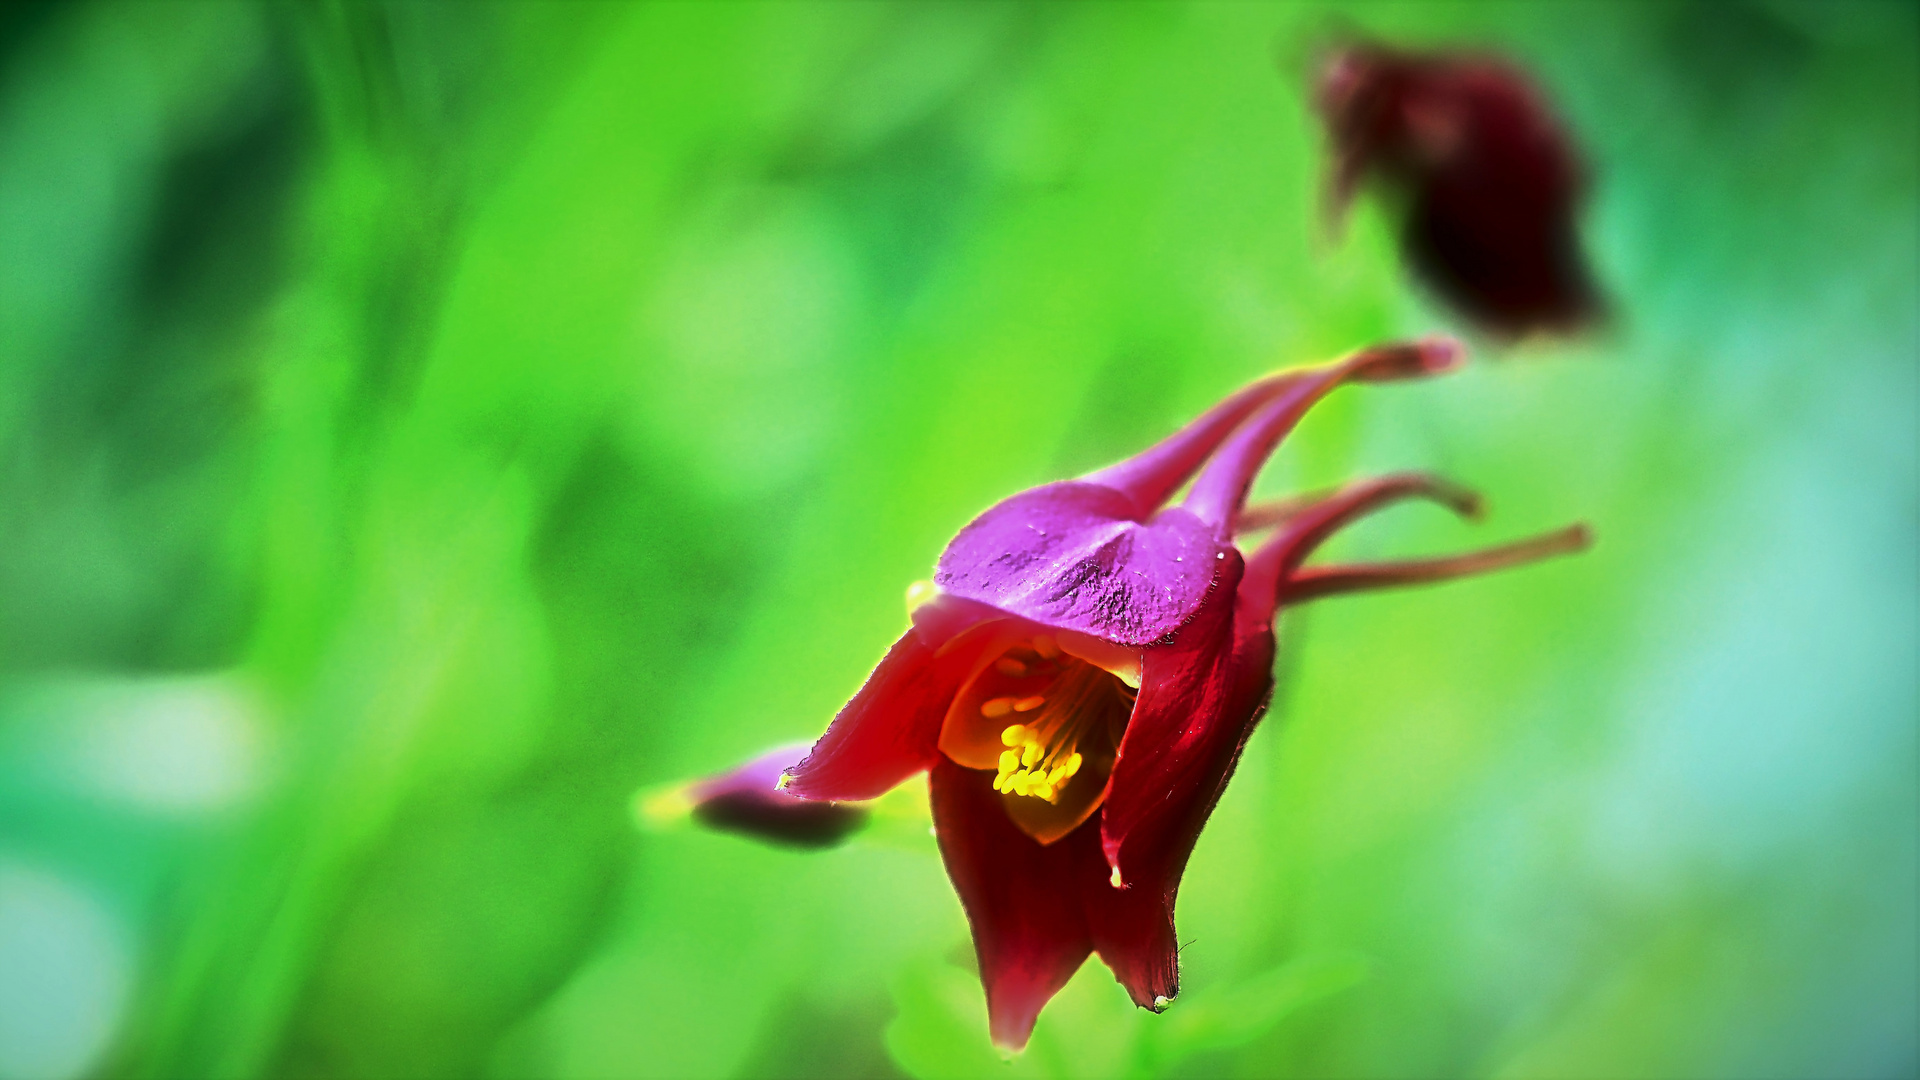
(1029, 931)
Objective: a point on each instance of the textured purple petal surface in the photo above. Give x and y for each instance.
(1070, 555)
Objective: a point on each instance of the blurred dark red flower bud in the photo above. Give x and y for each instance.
(1486, 178)
(749, 800)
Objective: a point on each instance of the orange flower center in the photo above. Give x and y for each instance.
(1051, 762)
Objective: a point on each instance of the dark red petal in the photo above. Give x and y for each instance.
(1221, 488)
(891, 728)
(1132, 927)
(780, 819)
(748, 800)
(1198, 696)
(1160, 814)
(1021, 900)
(1316, 582)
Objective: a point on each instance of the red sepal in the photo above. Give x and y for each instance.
(1186, 720)
(1020, 898)
(891, 728)
(1132, 927)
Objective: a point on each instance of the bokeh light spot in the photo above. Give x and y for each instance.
(64, 973)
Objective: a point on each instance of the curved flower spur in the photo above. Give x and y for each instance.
(1082, 675)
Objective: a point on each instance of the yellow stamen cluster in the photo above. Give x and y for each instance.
(1041, 754)
(1026, 766)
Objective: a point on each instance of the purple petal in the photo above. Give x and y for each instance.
(1071, 556)
(1082, 555)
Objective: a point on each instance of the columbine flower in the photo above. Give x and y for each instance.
(1489, 179)
(1084, 671)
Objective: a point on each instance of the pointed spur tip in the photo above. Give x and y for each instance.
(1460, 499)
(1567, 540)
(1437, 354)
(1434, 355)
(1441, 353)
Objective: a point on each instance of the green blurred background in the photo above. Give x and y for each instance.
(424, 426)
